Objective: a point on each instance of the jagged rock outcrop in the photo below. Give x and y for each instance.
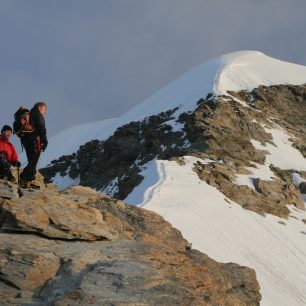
(121, 156)
(8, 190)
(285, 105)
(270, 197)
(79, 247)
(222, 129)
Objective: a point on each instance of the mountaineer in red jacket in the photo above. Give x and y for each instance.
(8, 155)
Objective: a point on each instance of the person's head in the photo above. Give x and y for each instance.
(25, 114)
(6, 131)
(41, 107)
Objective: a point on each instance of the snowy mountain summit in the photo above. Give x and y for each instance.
(244, 70)
(221, 154)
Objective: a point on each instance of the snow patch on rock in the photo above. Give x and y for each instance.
(282, 155)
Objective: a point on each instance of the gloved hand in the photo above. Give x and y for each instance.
(18, 164)
(44, 145)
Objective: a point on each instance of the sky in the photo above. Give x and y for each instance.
(95, 59)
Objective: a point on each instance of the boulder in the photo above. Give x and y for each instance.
(55, 216)
(80, 247)
(8, 190)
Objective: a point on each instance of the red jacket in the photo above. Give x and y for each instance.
(8, 151)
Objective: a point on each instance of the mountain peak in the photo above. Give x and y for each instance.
(236, 71)
(246, 70)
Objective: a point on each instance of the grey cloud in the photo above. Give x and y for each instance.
(96, 59)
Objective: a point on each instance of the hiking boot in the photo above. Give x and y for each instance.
(25, 184)
(34, 186)
(29, 185)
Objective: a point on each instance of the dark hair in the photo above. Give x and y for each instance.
(39, 104)
(6, 128)
(23, 111)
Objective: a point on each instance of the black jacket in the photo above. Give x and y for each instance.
(37, 120)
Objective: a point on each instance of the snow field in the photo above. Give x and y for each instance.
(64, 182)
(228, 233)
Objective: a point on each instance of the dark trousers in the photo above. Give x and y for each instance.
(5, 168)
(29, 172)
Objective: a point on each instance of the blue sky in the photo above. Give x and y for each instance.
(96, 59)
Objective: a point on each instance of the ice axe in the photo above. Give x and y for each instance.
(20, 193)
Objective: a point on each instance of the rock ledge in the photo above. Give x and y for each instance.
(79, 247)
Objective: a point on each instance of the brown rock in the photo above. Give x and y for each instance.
(223, 129)
(54, 216)
(148, 262)
(286, 105)
(280, 191)
(271, 197)
(8, 190)
(26, 270)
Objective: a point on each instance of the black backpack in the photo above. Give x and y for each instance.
(21, 125)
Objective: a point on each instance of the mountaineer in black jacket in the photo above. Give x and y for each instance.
(34, 143)
(37, 120)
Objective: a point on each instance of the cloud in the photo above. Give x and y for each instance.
(96, 59)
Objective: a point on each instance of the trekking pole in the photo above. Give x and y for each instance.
(20, 193)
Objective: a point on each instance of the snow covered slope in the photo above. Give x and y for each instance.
(274, 247)
(235, 71)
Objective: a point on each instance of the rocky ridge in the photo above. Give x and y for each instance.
(221, 129)
(80, 247)
(121, 156)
